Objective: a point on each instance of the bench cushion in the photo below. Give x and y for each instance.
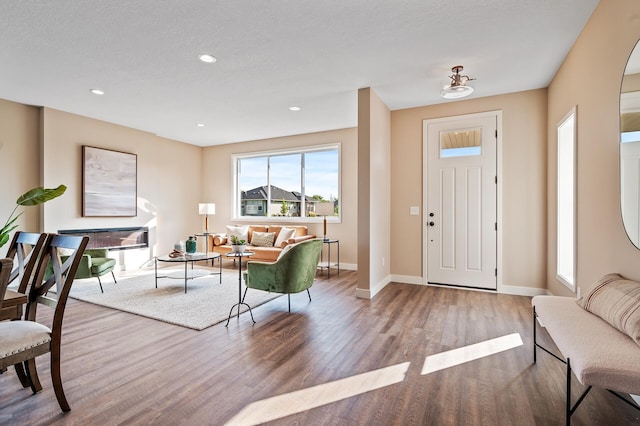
(600, 355)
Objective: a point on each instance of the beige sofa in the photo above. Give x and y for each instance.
(220, 243)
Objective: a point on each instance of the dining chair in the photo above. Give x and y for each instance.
(24, 251)
(5, 272)
(22, 341)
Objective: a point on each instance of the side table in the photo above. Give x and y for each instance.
(239, 256)
(328, 264)
(206, 243)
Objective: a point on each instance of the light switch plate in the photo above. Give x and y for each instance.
(414, 210)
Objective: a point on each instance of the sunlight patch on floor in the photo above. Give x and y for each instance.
(305, 399)
(459, 356)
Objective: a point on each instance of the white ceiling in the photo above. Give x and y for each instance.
(271, 54)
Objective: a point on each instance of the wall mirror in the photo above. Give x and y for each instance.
(630, 147)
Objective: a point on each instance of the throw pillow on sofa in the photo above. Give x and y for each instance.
(241, 232)
(284, 235)
(262, 239)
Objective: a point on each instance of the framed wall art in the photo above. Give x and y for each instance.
(109, 182)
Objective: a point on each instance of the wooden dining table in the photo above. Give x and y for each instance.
(12, 305)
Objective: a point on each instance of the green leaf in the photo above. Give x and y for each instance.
(40, 195)
(4, 238)
(7, 226)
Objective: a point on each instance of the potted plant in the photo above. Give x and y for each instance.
(237, 244)
(33, 197)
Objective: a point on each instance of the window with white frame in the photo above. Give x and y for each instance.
(566, 206)
(288, 184)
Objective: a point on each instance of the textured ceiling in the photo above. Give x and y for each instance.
(271, 55)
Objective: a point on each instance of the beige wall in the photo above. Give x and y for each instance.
(217, 178)
(523, 182)
(47, 145)
(590, 78)
(19, 156)
(374, 177)
(169, 181)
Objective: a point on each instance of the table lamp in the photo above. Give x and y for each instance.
(206, 209)
(325, 209)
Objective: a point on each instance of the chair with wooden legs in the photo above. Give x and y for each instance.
(22, 341)
(24, 251)
(5, 272)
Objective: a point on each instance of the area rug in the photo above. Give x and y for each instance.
(207, 302)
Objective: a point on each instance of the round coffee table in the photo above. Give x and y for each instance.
(195, 257)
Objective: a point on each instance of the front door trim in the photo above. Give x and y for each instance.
(425, 123)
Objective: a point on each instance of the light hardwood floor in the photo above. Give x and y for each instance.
(119, 368)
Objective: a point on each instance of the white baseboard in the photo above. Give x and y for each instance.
(406, 279)
(521, 291)
(502, 289)
(349, 266)
(362, 293)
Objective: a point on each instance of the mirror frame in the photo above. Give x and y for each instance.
(629, 114)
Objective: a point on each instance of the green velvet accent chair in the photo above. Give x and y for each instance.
(96, 263)
(293, 272)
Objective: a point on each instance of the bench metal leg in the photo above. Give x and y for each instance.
(572, 409)
(535, 342)
(568, 401)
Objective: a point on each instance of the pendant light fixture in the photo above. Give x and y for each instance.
(458, 87)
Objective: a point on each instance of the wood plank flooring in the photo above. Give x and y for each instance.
(120, 368)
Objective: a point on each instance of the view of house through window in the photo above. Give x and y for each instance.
(566, 199)
(288, 183)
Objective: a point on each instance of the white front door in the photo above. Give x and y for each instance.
(461, 211)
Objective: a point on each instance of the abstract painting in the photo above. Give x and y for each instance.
(109, 182)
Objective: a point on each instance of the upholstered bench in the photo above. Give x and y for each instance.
(594, 349)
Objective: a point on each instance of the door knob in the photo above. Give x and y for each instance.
(431, 214)
(431, 223)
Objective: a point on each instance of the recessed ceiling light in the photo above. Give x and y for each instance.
(205, 57)
(200, 124)
(97, 92)
(295, 108)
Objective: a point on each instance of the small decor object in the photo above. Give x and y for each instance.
(176, 253)
(179, 246)
(191, 244)
(33, 197)
(237, 244)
